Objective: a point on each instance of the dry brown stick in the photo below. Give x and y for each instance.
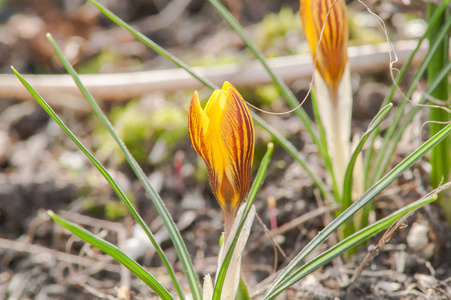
(389, 233)
(263, 285)
(294, 223)
(124, 289)
(96, 292)
(93, 222)
(66, 257)
(275, 244)
(121, 86)
(304, 218)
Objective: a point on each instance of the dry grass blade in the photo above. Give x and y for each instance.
(66, 257)
(274, 243)
(293, 224)
(375, 250)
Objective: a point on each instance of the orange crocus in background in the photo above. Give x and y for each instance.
(331, 56)
(325, 26)
(223, 135)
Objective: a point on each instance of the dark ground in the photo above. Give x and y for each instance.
(41, 169)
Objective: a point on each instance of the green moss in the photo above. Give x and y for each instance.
(115, 210)
(110, 209)
(363, 29)
(93, 207)
(215, 60)
(267, 94)
(139, 127)
(272, 31)
(106, 58)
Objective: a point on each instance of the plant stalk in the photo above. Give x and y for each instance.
(440, 157)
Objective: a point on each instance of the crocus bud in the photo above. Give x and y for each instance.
(223, 135)
(331, 57)
(325, 26)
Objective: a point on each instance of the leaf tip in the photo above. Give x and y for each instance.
(15, 72)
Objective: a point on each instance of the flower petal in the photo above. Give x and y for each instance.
(198, 124)
(305, 10)
(223, 135)
(205, 137)
(237, 132)
(332, 54)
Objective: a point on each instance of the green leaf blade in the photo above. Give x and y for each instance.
(114, 252)
(362, 201)
(167, 219)
(348, 244)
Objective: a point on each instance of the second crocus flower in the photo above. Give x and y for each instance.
(325, 26)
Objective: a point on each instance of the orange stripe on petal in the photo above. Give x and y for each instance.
(223, 135)
(332, 54)
(238, 135)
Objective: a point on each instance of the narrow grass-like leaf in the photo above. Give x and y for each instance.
(88, 154)
(148, 42)
(134, 165)
(115, 253)
(440, 158)
(348, 180)
(256, 185)
(242, 293)
(390, 146)
(283, 88)
(362, 201)
(400, 77)
(297, 156)
(347, 244)
(383, 157)
(402, 127)
(283, 142)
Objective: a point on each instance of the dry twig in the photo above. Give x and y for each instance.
(374, 251)
(122, 86)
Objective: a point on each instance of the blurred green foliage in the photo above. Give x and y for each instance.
(106, 60)
(364, 29)
(106, 207)
(267, 94)
(213, 59)
(140, 127)
(272, 32)
(115, 210)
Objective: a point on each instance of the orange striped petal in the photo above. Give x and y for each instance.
(223, 135)
(237, 132)
(332, 53)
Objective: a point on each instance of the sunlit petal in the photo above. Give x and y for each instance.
(331, 57)
(238, 136)
(326, 29)
(223, 135)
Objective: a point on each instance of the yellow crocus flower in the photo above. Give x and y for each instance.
(331, 56)
(325, 26)
(223, 135)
